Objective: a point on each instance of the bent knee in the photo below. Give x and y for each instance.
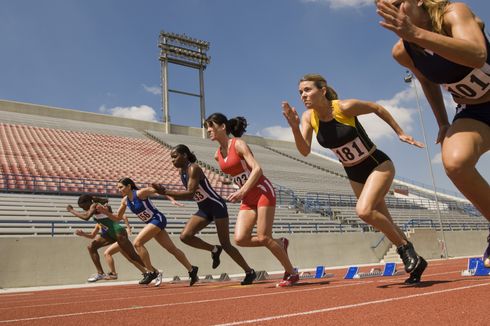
(185, 237)
(457, 163)
(364, 213)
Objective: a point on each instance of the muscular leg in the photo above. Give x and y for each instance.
(95, 245)
(193, 226)
(128, 251)
(223, 230)
(145, 235)
(264, 218)
(164, 240)
(370, 205)
(466, 141)
(112, 250)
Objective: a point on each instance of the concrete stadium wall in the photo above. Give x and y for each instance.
(37, 261)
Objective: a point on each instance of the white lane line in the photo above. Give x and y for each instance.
(153, 295)
(311, 312)
(181, 303)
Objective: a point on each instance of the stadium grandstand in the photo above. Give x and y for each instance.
(49, 156)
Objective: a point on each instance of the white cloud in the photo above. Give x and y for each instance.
(437, 159)
(142, 112)
(155, 90)
(377, 129)
(343, 3)
(285, 133)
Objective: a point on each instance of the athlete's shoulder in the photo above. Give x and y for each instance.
(194, 169)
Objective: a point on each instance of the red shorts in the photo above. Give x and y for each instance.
(262, 195)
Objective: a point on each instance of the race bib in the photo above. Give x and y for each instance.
(473, 86)
(351, 153)
(145, 215)
(240, 179)
(200, 195)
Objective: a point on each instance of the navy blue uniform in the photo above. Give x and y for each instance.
(460, 81)
(210, 204)
(146, 211)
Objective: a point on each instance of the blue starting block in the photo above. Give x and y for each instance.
(319, 273)
(388, 270)
(351, 272)
(476, 268)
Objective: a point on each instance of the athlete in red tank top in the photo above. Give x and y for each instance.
(258, 200)
(262, 193)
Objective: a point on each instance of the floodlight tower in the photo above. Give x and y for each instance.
(184, 51)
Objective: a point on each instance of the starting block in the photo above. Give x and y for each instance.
(351, 272)
(476, 268)
(262, 276)
(388, 270)
(319, 273)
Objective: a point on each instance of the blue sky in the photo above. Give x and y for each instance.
(102, 56)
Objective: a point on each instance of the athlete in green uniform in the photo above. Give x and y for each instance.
(112, 232)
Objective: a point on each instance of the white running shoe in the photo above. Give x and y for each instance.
(95, 278)
(159, 278)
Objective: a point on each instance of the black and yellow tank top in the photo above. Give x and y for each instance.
(344, 135)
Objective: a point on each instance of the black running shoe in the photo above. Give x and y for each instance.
(409, 256)
(215, 256)
(249, 278)
(148, 277)
(417, 272)
(193, 275)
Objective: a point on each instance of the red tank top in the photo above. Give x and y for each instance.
(235, 166)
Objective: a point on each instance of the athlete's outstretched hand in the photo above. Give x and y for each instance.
(290, 114)
(236, 196)
(80, 233)
(395, 19)
(442, 133)
(409, 139)
(174, 202)
(69, 208)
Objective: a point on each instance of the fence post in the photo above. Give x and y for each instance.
(52, 229)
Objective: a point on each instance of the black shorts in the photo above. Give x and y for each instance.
(210, 210)
(480, 112)
(360, 172)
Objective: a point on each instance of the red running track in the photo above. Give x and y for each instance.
(444, 297)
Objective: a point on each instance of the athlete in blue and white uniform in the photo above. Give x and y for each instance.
(140, 204)
(444, 43)
(211, 208)
(369, 170)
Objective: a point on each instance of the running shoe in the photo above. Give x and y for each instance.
(416, 274)
(292, 279)
(111, 276)
(96, 277)
(193, 275)
(409, 256)
(148, 277)
(159, 279)
(215, 256)
(285, 276)
(249, 277)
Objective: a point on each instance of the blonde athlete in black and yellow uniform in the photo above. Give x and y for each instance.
(370, 171)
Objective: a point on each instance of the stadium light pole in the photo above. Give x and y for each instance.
(182, 50)
(409, 79)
